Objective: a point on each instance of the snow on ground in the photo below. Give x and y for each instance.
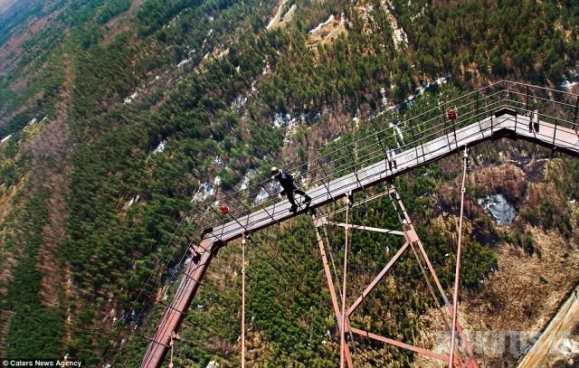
(275, 21)
(161, 147)
(568, 84)
(397, 129)
(132, 201)
(247, 179)
(238, 103)
(321, 25)
(270, 190)
(327, 31)
(183, 62)
(206, 190)
(572, 81)
(399, 35)
(130, 99)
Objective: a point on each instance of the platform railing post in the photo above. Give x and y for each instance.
(527, 97)
(555, 133)
(575, 117)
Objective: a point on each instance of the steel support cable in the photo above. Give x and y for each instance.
(243, 302)
(396, 209)
(430, 288)
(429, 285)
(344, 288)
(337, 278)
(458, 255)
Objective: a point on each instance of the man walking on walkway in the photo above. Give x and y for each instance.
(287, 183)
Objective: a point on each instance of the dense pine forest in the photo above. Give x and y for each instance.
(116, 116)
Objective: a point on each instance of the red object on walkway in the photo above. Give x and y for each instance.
(224, 209)
(452, 114)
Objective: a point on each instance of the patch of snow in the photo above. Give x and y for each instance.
(270, 188)
(238, 103)
(161, 147)
(247, 178)
(265, 70)
(205, 191)
(278, 16)
(499, 208)
(441, 80)
(281, 119)
(133, 200)
(183, 62)
(568, 347)
(399, 36)
(213, 364)
(566, 84)
(399, 131)
(130, 99)
(321, 25)
(384, 98)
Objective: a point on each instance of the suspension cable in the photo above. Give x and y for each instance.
(243, 302)
(458, 254)
(342, 332)
(334, 269)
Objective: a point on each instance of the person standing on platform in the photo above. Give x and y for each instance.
(287, 183)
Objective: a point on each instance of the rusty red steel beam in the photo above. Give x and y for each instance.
(416, 239)
(317, 223)
(374, 282)
(367, 228)
(174, 315)
(402, 345)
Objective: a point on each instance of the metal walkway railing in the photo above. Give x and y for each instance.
(505, 109)
(414, 134)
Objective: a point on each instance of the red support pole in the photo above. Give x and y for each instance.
(317, 223)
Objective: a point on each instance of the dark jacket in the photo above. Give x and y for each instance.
(286, 181)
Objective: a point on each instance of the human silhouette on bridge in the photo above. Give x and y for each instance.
(287, 183)
(391, 157)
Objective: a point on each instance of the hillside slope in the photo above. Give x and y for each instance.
(118, 118)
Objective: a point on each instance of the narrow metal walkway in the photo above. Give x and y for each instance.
(493, 127)
(506, 109)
